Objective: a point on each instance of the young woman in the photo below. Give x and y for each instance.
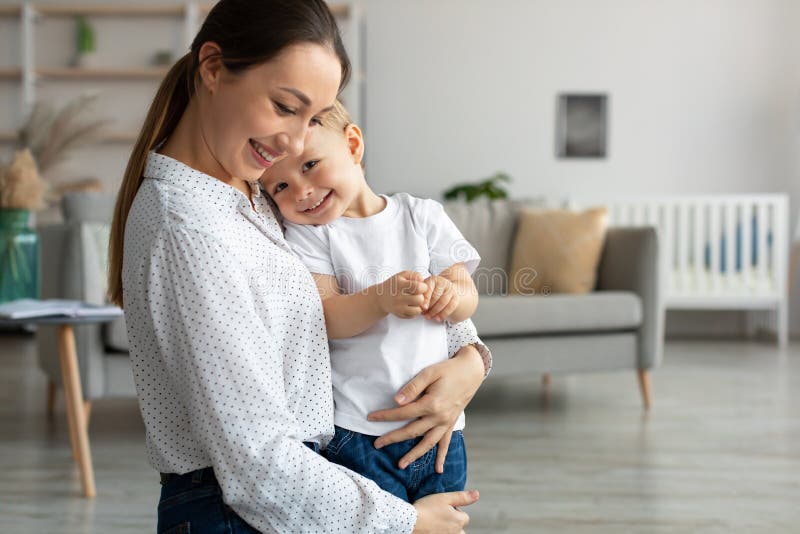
(227, 332)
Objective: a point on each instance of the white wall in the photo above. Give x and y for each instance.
(699, 93)
(703, 96)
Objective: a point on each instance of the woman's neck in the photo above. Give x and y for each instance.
(188, 145)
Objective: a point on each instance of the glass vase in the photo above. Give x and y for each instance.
(19, 256)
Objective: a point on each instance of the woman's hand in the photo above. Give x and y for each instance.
(434, 399)
(439, 513)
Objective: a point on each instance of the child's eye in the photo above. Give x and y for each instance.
(284, 110)
(308, 165)
(316, 121)
(280, 187)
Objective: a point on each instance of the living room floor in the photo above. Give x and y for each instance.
(719, 452)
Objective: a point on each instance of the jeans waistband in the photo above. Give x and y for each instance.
(206, 474)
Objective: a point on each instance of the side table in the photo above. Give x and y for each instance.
(73, 393)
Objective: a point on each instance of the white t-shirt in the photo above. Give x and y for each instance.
(409, 234)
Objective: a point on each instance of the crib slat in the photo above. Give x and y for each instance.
(746, 250)
(637, 215)
(714, 245)
(683, 243)
(668, 241)
(699, 237)
(729, 225)
(761, 251)
(773, 248)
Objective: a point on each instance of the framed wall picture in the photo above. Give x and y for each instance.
(582, 125)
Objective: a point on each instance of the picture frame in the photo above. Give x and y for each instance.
(582, 125)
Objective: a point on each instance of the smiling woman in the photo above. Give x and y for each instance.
(226, 328)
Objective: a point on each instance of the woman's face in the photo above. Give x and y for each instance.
(319, 185)
(253, 119)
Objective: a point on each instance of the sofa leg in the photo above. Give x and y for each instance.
(51, 398)
(645, 387)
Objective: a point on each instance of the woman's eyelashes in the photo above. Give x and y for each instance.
(285, 110)
(308, 165)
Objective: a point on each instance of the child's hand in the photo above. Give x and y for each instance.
(441, 299)
(402, 295)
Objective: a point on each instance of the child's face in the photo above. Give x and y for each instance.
(318, 186)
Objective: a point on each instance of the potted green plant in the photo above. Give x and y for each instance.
(21, 192)
(491, 188)
(85, 43)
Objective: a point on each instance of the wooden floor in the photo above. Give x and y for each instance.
(720, 451)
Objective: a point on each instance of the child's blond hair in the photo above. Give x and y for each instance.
(337, 118)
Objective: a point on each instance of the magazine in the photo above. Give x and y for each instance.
(32, 308)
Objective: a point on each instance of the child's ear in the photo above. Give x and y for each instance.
(355, 141)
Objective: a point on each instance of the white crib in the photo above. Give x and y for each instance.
(718, 251)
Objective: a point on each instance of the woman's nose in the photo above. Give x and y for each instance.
(292, 140)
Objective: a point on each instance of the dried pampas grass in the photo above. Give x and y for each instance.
(21, 187)
(51, 133)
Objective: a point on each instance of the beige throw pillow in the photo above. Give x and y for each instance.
(557, 251)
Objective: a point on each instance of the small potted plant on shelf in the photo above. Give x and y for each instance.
(85, 44)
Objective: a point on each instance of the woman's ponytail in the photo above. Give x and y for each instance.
(166, 110)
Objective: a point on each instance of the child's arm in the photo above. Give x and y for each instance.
(451, 295)
(349, 315)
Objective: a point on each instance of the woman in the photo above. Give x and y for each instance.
(226, 327)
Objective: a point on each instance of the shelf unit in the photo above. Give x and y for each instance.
(30, 75)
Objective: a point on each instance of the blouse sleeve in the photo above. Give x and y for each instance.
(460, 335)
(221, 362)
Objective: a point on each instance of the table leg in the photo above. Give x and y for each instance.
(76, 416)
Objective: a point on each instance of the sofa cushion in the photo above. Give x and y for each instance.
(557, 251)
(554, 314)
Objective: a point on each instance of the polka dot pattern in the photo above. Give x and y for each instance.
(230, 357)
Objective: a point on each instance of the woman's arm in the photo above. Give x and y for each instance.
(349, 315)
(437, 395)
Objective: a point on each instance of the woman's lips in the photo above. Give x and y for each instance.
(262, 154)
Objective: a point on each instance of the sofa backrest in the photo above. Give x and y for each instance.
(490, 226)
(88, 207)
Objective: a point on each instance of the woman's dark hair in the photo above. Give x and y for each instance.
(248, 33)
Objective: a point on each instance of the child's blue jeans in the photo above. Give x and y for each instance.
(357, 452)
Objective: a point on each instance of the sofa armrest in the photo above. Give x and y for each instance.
(72, 269)
(631, 262)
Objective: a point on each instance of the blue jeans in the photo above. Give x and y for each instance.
(357, 452)
(193, 503)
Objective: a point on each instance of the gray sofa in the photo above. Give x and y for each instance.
(619, 325)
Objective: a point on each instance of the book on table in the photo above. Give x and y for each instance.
(33, 308)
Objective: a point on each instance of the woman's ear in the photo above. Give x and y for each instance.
(210, 69)
(355, 141)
